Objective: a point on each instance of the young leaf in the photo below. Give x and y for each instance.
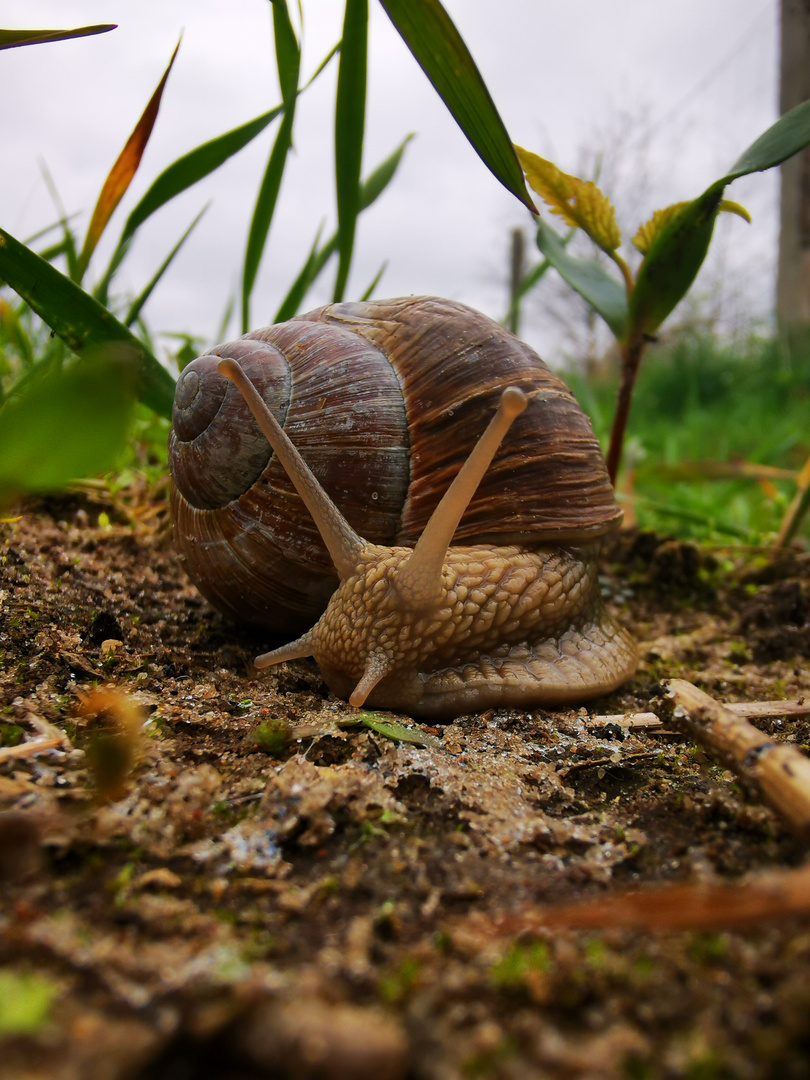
(288, 58)
(122, 172)
(579, 203)
(789, 135)
(674, 258)
(70, 422)
(604, 293)
(79, 320)
(430, 34)
(12, 39)
(648, 232)
(350, 118)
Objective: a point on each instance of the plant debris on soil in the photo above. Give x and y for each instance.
(206, 873)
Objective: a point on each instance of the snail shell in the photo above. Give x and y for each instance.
(384, 401)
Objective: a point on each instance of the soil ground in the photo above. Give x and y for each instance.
(221, 876)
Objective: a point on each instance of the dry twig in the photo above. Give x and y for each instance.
(632, 721)
(764, 710)
(28, 749)
(780, 771)
(772, 895)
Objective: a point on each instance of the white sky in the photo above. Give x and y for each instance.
(697, 78)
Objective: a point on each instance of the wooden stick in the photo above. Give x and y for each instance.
(625, 720)
(753, 710)
(780, 771)
(775, 894)
(28, 749)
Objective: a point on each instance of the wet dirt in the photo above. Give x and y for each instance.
(212, 874)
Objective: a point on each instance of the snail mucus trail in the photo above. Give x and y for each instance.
(437, 630)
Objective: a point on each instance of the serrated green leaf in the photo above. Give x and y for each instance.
(12, 39)
(78, 319)
(674, 258)
(68, 423)
(430, 34)
(604, 293)
(579, 203)
(350, 122)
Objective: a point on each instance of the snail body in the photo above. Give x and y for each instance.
(512, 615)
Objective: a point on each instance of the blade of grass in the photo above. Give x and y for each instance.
(288, 61)
(140, 300)
(68, 237)
(370, 190)
(78, 319)
(350, 120)
(194, 166)
(376, 281)
(430, 34)
(12, 39)
(122, 172)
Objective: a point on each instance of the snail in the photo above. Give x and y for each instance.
(371, 410)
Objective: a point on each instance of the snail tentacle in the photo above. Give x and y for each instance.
(419, 579)
(378, 665)
(342, 542)
(296, 650)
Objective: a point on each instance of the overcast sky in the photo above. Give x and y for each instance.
(669, 91)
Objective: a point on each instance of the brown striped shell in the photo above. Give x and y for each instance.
(384, 400)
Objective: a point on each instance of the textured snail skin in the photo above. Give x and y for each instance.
(513, 627)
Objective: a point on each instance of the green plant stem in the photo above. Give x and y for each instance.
(631, 353)
(626, 272)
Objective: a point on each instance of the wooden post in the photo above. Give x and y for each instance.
(793, 276)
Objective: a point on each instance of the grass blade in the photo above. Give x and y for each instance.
(178, 177)
(79, 320)
(140, 300)
(370, 190)
(375, 282)
(430, 34)
(194, 166)
(122, 172)
(350, 120)
(288, 59)
(12, 39)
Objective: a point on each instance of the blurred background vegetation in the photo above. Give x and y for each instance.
(718, 440)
